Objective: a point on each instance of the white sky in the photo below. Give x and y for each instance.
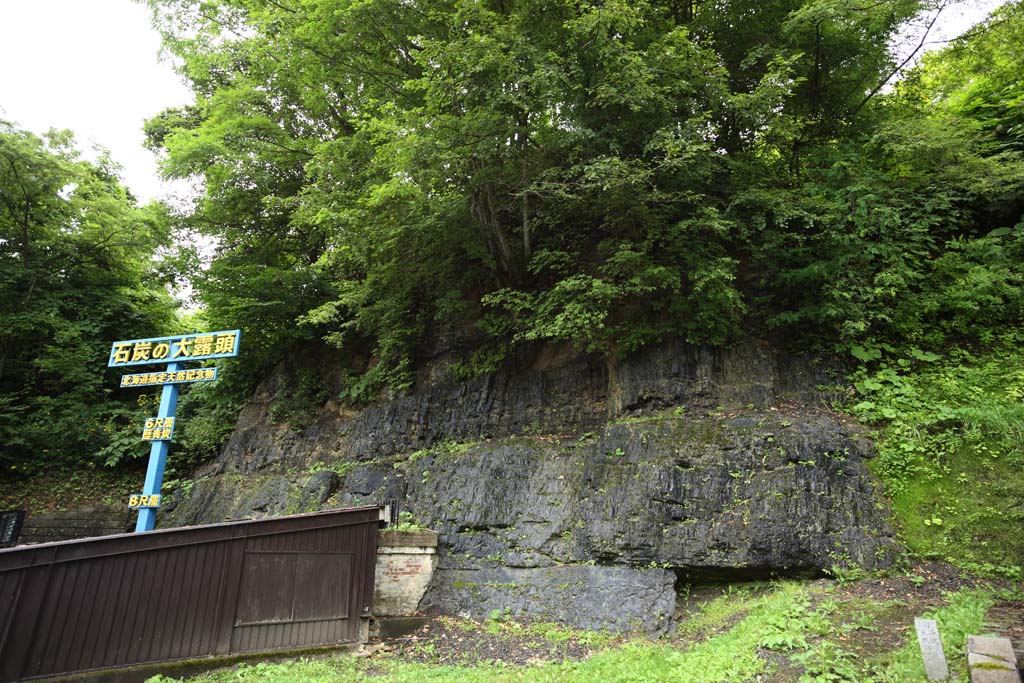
(91, 66)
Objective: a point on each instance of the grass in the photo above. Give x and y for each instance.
(962, 514)
(715, 614)
(551, 632)
(963, 616)
(951, 452)
(791, 632)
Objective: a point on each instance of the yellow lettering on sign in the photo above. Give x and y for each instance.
(181, 347)
(141, 351)
(133, 501)
(179, 376)
(209, 373)
(190, 375)
(225, 343)
(147, 433)
(168, 422)
(122, 353)
(150, 422)
(161, 378)
(161, 350)
(165, 434)
(203, 346)
(124, 380)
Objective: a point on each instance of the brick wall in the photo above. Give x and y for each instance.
(405, 564)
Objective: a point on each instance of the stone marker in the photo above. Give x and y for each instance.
(931, 649)
(10, 527)
(991, 660)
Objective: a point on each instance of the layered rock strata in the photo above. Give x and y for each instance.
(579, 492)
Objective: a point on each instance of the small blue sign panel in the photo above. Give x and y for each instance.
(201, 346)
(146, 379)
(141, 500)
(158, 429)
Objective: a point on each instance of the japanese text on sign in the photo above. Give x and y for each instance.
(158, 429)
(174, 349)
(145, 379)
(144, 501)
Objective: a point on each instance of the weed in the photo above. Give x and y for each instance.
(950, 450)
(406, 522)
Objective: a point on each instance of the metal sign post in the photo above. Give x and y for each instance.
(175, 351)
(158, 456)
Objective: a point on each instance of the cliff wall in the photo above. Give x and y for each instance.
(568, 489)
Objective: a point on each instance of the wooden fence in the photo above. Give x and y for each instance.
(177, 594)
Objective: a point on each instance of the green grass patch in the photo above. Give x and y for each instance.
(711, 616)
(963, 616)
(731, 656)
(951, 452)
(552, 633)
(801, 628)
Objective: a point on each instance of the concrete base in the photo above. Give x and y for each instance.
(992, 660)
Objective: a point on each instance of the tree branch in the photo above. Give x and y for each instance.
(902, 64)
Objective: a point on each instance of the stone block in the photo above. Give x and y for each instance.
(992, 660)
(422, 538)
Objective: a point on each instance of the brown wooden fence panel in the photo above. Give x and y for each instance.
(223, 589)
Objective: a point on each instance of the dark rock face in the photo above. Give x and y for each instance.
(553, 392)
(716, 495)
(718, 465)
(600, 598)
(234, 496)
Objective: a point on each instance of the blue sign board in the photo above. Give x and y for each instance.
(148, 379)
(141, 501)
(158, 429)
(175, 352)
(186, 347)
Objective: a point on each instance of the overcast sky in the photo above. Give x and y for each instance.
(91, 66)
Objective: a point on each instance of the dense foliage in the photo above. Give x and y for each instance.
(378, 174)
(607, 174)
(77, 270)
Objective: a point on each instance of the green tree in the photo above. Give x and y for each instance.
(77, 270)
(609, 174)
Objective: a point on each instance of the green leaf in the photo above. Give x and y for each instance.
(865, 354)
(924, 356)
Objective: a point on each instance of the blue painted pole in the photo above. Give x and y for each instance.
(158, 454)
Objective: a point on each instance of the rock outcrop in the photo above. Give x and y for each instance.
(579, 492)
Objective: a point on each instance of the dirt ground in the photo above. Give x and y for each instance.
(465, 642)
(879, 612)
